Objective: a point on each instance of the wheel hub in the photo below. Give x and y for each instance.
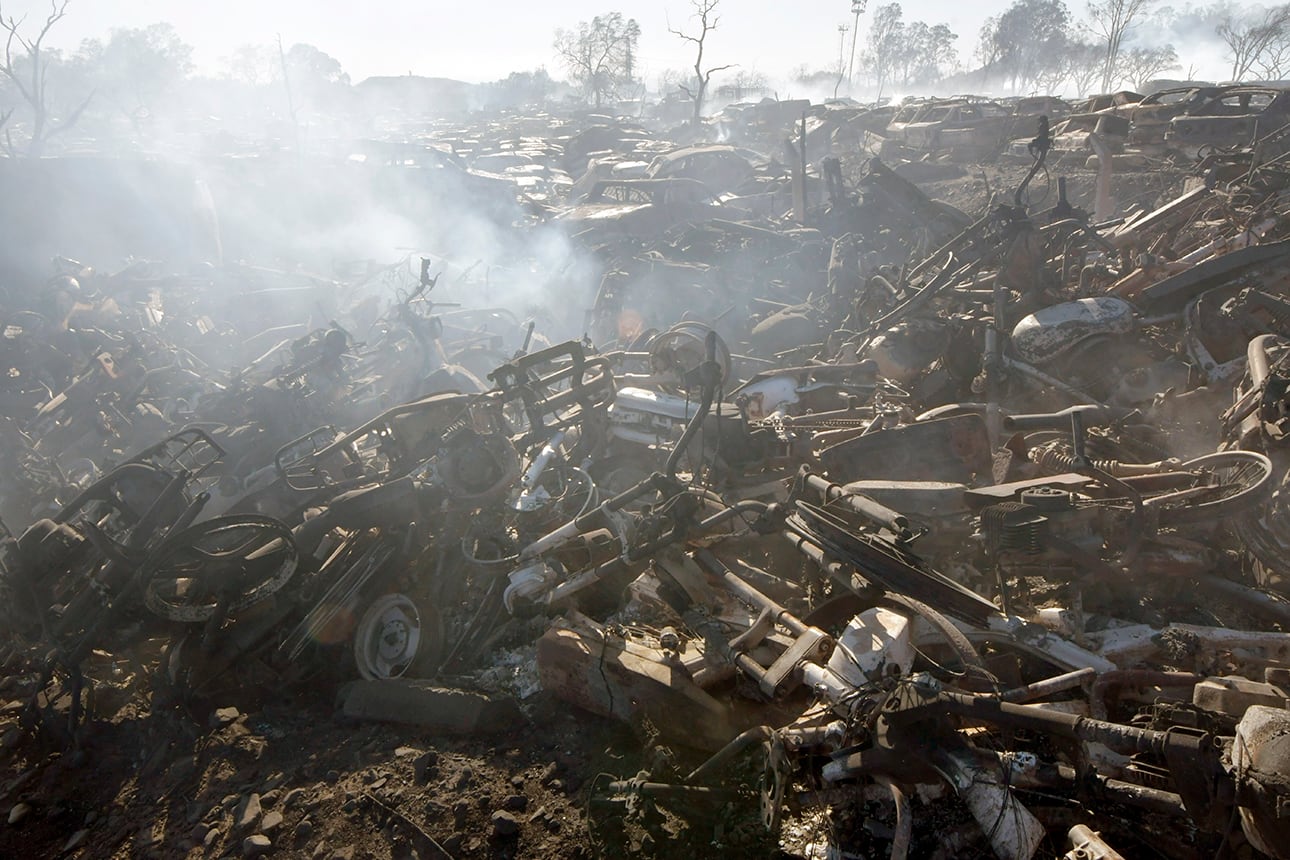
(387, 637)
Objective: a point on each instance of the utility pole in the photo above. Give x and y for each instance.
(857, 6)
(291, 102)
(842, 43)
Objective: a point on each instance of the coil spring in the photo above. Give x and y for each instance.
(1056, 461)
(456, 429)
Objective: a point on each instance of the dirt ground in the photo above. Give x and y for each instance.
(163, 785)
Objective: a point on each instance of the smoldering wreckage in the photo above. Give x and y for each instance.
(881, 525)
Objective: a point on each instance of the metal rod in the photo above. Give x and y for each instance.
(1056, 684)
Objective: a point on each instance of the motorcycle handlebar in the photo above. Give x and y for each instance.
(1089, 414)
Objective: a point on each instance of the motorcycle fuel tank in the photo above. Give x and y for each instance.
(1047, 334)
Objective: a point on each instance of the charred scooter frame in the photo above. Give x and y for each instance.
(540, 581)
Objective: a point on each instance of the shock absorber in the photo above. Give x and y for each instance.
(1055, 462)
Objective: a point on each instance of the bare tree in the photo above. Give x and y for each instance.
(1111, 21)
(1083, 64)
(1274, 62)
(599, 55)
(1140, 65)
(1055, 73)
(927, 53)
(815, 79)
(28, 69)
(669, 81)
(136, 70)
(885, 46)
(1026, 43)
(252, 65)
(988, 50)
(746, 83)
(705, 11)
(1251, 42)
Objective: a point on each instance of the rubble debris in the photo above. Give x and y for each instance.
(949, 525)
(414, 703)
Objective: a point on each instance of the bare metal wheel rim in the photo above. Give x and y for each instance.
(1239, 480)
(683, 347)
(388, 637)
(236, 561)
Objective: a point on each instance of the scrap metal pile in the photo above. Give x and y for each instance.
(912, 531)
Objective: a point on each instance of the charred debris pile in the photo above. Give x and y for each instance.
(888, 525)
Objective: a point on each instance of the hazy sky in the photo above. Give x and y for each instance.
(480, 40)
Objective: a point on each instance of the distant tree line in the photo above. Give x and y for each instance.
(1036, 45)
(138, 88)
(1033, 46)
(141, 81)
(134, 81)
(907, 54)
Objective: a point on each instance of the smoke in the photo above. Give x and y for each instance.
(303, 172)
(218, 180)
(1191, 30)
(322, 216)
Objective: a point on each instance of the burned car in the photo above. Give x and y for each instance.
(641, 207)
(1228, 117)
(1106, 116)
(1150, 118)
(966, 128)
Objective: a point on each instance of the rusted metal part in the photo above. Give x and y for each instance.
(1109, 683)
(616, 677)
(884, 517)
(1175, 291)
(1047, 687)
(946, 449)
(1085, 844)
